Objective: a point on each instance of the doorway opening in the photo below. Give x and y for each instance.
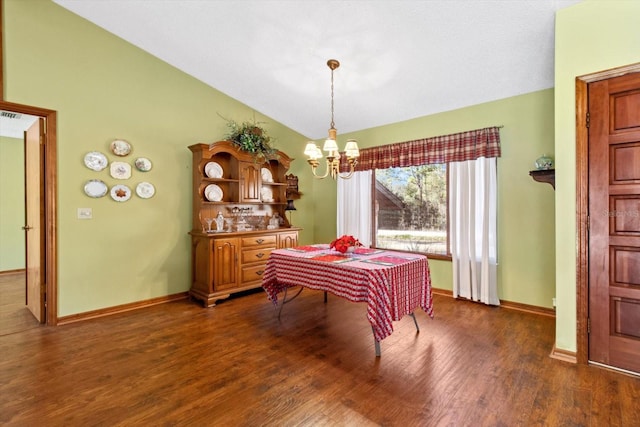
(47, 275)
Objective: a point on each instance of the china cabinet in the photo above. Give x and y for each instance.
(248, 198)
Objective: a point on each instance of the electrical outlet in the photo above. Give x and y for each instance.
(85, 213)
(554, 301)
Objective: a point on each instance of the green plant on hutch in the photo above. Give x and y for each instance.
(252, 138)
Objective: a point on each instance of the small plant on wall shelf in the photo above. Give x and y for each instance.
(252, 138)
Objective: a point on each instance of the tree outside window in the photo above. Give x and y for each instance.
(411, 209)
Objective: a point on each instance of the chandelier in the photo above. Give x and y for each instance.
(351, 150)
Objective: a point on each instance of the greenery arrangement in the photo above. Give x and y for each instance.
(251, 137)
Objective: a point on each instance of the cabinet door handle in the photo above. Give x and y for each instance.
(258, 241)
(260, 255)
(259, 272)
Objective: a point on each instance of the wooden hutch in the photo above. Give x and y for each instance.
(251, 196)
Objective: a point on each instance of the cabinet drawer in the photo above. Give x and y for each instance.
(269, 240)
(253, 273)
(256, 255)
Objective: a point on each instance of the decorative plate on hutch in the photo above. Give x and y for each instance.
(213, 193)
(266, 175)
(213, 170)
(266, 194)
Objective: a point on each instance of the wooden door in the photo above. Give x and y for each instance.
(614, 222)
(34, 219)
(250, 182)
(225, 262)
(288, 240)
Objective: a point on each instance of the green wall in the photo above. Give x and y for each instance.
(591, 36)
(12, 249)
(526, 257)
(104, 88)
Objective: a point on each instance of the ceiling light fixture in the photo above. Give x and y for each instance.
(331, 147)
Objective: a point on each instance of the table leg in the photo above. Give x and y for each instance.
(376, 343)
(415, 321)
(285, 300)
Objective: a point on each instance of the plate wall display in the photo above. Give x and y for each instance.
(213, 170)
(95, 188)
(266, 194)
(143, 164)
(120, 170)
(213, 193)
(96, 161)
(120, 193)
(145, 190)
(266, 175)
(120, 147)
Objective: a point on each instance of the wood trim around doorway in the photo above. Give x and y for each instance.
(50, 204)
(582, 203)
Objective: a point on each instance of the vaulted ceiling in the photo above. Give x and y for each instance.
(399, 59)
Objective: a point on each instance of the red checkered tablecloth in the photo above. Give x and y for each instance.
(391, 283)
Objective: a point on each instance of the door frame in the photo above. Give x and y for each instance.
(48, 206)
(582, 203)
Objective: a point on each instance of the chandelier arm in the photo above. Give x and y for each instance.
(352, 169)
(315, 168)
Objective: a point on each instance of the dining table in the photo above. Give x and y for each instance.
(392, 283)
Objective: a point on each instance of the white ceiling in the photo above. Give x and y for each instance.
(14, 124)
(400, 59)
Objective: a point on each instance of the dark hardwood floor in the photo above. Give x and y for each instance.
(236, 364)
(14, 314)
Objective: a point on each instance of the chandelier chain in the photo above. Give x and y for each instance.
(333, 125)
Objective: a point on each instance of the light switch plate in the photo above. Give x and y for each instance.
(85, 213)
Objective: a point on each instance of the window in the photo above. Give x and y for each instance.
(411, 210)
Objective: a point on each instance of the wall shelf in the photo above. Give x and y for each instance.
(545, 175)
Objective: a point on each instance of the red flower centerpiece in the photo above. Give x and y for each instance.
(342, 244)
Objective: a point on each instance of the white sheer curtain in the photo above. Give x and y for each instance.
(354, 207)
(472, 215)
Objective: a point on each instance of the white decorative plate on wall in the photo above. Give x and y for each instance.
(120, 170)
(213, 193)
(120, 193)
(266, 175)
(213, 170)
(145, 190)
(95, 188)
(96, 161)
(143, 164)
(120, 147)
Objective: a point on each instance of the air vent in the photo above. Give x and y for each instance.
(9, 115)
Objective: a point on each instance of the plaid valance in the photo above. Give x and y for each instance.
(457, 147)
